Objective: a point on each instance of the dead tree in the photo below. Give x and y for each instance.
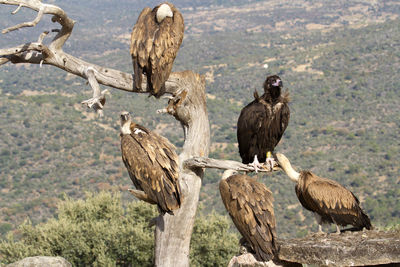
(187, 105)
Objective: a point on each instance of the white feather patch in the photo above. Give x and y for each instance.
(138, 131)
(277, 107)
(125, 129)
(163, 11)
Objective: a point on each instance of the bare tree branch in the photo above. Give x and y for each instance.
(59, 16)
(3, 60)
(202, 162)
(99, 99)
(42, 36)
(25, 24)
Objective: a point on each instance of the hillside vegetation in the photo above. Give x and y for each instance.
(339, 61)
(99, 231)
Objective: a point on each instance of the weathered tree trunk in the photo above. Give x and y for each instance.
(173, 232)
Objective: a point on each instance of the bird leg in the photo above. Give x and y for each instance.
(270, 161)
(141, 195)
(337, 229)
(244, 246)
(255, 164)
(320, 229)
(319, 221)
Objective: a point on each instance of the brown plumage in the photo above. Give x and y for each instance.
(250, 205)
(152, 164)
(155, 40)
(331, 201)
(262, 123)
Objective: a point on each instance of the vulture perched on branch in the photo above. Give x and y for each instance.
(327, 199)
(155, 40)
(262, 123)
(152, 164)
(250, 205)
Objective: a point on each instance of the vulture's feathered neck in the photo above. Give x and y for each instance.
(272, 94)
(126, 127)
(287, 167)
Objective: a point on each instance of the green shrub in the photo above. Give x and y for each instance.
(94, 232)
(99, 231)
(212, 243)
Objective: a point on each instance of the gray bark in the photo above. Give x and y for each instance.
(173, 232)
(203, 162)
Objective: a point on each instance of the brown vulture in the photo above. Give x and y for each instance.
(250, 205)
(262, 122)
(152, 164)
(155, 41)
(327, 199)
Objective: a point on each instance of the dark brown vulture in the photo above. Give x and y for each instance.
(327, 199)
(250, 205)
(155, 41)
(262, 122)
(152, 164)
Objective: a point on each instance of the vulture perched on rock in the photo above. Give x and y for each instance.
(250, 205)
(155, 40)
(152, 164)
(327, 199)
(262, 123)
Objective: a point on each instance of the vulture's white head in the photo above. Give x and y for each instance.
(125, 122)
(163, 11)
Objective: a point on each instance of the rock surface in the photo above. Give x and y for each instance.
(248, 260)
(346, 249)
(367, 248)
(41, 261)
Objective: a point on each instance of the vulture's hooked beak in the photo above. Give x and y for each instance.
(124, 116)
(277, 83)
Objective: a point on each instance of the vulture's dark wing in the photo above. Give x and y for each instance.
(251, 132)
(278, 123)
(142, 43)
(153, 167)
(167, 41)
(250, 205)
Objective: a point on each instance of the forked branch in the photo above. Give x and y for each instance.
(99, 98)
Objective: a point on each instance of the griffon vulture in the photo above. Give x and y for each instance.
(155, 41)
(327, 199)
(250, 205)
(152, 164)
(262, 122)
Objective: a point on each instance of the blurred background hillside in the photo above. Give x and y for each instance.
(340, 61)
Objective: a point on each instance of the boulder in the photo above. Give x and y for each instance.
(40, 261)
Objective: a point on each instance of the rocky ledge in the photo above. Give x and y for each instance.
(366, 248)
